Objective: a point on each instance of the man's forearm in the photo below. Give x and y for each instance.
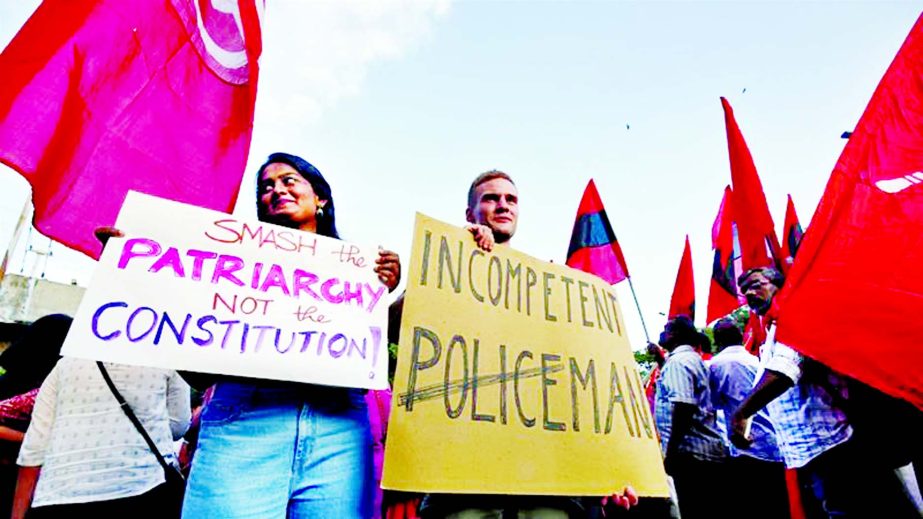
(770, 386)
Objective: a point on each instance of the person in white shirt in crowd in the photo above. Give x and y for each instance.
(759, 473)
(693, 449)
(83, 457)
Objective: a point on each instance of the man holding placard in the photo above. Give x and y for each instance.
(492, 215)
(499, 403)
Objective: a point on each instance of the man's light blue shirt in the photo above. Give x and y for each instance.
(684, 379)
(807, 421)
(731, 375)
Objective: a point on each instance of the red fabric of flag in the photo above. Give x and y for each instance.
(722, 291)
(791, 235)
(102, 97)
(854, 298)
(755, 332)
(593, 245)
(683, 300)
(755, 228)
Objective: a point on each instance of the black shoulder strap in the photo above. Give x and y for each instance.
(131, 416)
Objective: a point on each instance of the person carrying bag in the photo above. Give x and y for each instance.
(174, 482)
(80, 457)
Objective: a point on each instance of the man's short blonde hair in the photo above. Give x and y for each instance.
(487, 176)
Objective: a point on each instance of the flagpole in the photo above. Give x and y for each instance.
(635, 296)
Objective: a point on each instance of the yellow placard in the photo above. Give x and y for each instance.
(514, 377)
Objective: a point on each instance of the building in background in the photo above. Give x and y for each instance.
(28, 295)
(24, 299)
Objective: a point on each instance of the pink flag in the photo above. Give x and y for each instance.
(101, 97)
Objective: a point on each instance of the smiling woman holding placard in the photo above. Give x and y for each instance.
(277, 449)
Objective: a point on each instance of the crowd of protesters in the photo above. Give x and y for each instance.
(99, 438)
(781, 412)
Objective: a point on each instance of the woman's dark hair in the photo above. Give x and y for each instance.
(31, 357)
(326, 224)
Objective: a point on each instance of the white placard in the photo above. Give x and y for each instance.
(193, 289)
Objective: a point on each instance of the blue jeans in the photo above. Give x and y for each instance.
(282, 452)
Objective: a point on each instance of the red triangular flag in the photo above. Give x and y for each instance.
(106, 96)
(722, 291)
(755, 229)
(854, 298)
(593, 246)
(791, 235)
(683, 300)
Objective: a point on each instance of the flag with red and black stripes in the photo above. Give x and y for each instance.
(593, 246)
(791, 234)
(722, 293)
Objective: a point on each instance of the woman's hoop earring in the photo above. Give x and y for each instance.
(319, 213)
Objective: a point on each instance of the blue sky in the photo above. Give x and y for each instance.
(401, 104)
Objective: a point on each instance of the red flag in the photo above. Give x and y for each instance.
(683, 300)
(791, 234)
(854, 298)
(650, 386)
(101, 97)
(722, 291)
(755, 332)
(593, 246)
(756, 232)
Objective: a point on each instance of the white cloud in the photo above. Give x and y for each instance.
(317, 53)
